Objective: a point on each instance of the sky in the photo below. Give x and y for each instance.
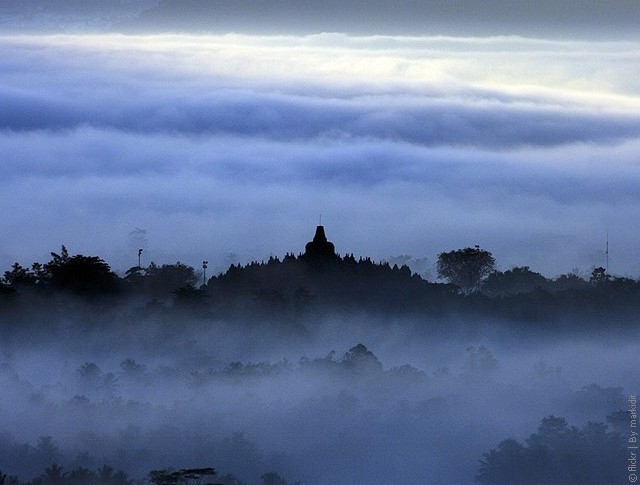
(521, 136)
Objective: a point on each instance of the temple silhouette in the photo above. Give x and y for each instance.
(320, 247)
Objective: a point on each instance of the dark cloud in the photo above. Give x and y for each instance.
(585, 18)
(418, 120)
(588, 18)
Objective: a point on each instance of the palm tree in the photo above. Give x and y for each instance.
(53, 475)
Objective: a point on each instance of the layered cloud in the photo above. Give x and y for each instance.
(235, 144)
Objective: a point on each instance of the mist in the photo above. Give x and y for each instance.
(249, 397)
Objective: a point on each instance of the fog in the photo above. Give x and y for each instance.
(180, 401)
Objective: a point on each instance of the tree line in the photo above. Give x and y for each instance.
(299, 285)
(106, 475)
(559, 454)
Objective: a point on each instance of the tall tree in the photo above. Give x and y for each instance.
(87, 275)
(466, 268)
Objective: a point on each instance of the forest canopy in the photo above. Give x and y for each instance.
(314, 283)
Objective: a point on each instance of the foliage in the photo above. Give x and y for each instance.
(519, 279)
(19, 276)
(599, 276)
(163, 280)
(55, 475)
(361, 359)
(85, 275)
(185, 476)
(557, 454)
(466, 268)
(295, 289)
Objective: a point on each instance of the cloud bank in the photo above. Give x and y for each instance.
(235, 144)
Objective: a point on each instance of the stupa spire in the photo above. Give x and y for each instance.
(320, 246)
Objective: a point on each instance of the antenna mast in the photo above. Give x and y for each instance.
(606, 253)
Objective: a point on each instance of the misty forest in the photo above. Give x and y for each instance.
(319, 242)
(314, 368)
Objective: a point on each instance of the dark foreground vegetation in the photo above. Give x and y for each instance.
(56, 475)
(311, 284)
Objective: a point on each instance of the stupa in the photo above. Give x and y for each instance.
(320, 247)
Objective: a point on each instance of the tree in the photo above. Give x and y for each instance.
(466, 268)
(599, 277)
(190, 298)
(53, 475)
(519, 279)
(361, 359)
(86, 275)
(106, 476)
(184, 476)
(19, 276)
(569, 281)
(558, 454)
(161, 281)
(81, 476)
(273, 478)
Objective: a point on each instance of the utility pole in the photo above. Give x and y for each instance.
(139, 254)
(205, 265)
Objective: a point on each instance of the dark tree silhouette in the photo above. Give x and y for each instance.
(131, 368)
(161, 281)
(557, 455)
(295, 288)
(273, 478)
(466, 268)
(86, 275)
(81, 476)
(190, 298)
(361, 359)
(569, 281)
(599, 276)
(19, 276)
(134, 277)
(186, 476)
(53, 475)
(519, 279)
